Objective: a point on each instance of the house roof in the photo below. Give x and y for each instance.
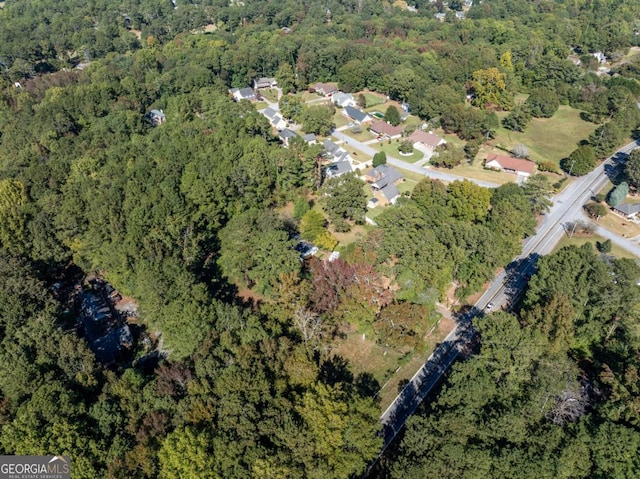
(309, 137)
(246, 92)
(390, 192)
(330, 146)
(338, 168)
(429, 138)
(264, 82)
(628, 209)
(384, 128)
(383, 175)
(157, 114)
(341, 97)
(287, 133)
(514, 164)
(325, 88)
(275, 120)
(356, 114)
(270, 112)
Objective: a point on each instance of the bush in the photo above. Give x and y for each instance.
(300, 207)
(547, 165)
(543, 103)
(604, 246)
(379, 158)
(580, 162)
(517, 119)
(326, 241)
(406, 146)
(618, 194)
(596, 210)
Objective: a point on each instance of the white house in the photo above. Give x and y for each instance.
(517, 166)
(343, 99)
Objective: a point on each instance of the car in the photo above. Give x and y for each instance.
(489, 306)
(380, 138)
(306, 249)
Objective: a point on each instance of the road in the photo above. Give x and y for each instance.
(436, 175)
(567, 207)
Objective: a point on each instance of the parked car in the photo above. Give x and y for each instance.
(489, 306)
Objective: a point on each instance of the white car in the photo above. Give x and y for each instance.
(489, 306)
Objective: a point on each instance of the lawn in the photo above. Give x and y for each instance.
(478, 172)
(372, 99)
(580, 240)
(364, 135)
(392, 150)
(270, 94)
(260, 105)
(548, 139)
(339, 120)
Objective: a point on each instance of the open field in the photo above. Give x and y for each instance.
(548, 139)
(478, 172)
(580, 240)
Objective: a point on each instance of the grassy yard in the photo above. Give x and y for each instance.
(579, 241)
(548, 139)
(372, 99)
(339, 119)
(260, 105)
(363, 136)
(270, 94)
(392, 150)
(477, 172)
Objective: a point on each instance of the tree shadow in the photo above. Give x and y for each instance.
(335, 370)
(367, 385)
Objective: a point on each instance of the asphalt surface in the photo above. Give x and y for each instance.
(436, 175)
(507, 286)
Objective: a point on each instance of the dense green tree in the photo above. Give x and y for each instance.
(392, 115)
(292, 108)
(312, 225)
(632, 168)
(542, 103)
(318, 119)
(580, 162)
(596, 210)
(380, 158)
(517, 119)
(447, 156)
(490, 88)
(468, 201)
(345, 199)
(286, 78)
(618, 194)
(252, 259)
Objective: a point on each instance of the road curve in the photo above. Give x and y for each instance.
(436, 175)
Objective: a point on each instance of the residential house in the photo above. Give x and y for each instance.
(310, 139)
(343, 99)
(383, 181)
(243, 94)
(426, 142)
(384, 129)
(156, 117)
(326, 89)
(600, 56)
(440, 16)
(338, 168)
(334, 152)
(274, 118)
(627, 211)
(517, 166)
(286, 135)
(405, 106)
(261, 83)
(460, 15)
(357, 116)
(372, 203)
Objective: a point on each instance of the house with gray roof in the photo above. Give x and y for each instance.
(156, 117)
(286, 135)
(627, 211)
(261, 83)
(338, 168)
(243, 94)
(310, 139)
(356, 115)
(343, 99)
(383, 181)
(270, 113)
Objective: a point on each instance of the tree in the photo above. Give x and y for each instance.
(468, 201)
(345, 199)
(361, 101)
(537, 190)
(380, 158)
(318, 119)
(392, 115)
(632, 168)
(292, 108)
(447, 156)
(520, 151)
(255, 249)
(312, 225)
(606, 139)
(618, 194)
(406, 146)
(490, 88)
(542, 103)
(517, 119)
(596, 210)
(286, 78)
(604, 246)
(580, 162)
(13, 216)
(186, 453)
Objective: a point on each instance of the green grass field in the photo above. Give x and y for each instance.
(548, 139)
(392, 150)
(579, 241)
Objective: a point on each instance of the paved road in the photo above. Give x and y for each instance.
(436, 175)
(507, 285)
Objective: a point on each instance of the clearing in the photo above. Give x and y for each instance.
(549, 139)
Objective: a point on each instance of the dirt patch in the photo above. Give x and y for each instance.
(137, 33)
(249, 296)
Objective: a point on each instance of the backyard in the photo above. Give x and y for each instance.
(548, 139)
